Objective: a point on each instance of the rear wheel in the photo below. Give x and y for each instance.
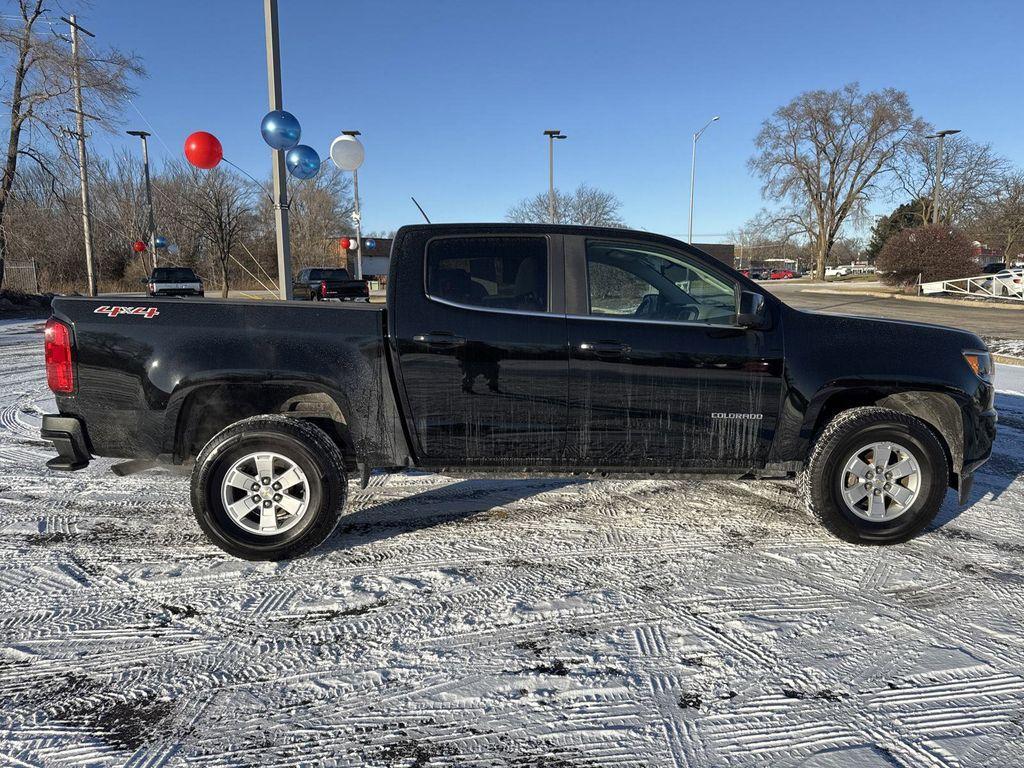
(269, 488)
(876, 476)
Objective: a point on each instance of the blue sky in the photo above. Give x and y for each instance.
(452, 96)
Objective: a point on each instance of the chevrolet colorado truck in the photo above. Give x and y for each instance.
(512, 349)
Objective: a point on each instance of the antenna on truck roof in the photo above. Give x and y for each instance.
(420, 207)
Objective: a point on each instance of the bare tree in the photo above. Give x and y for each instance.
(320, 211)
(221, 208)
(1001, 220)
(585, 205)
(37, 93)
(824, 152)
(971, 174)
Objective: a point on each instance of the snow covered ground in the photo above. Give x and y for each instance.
(521, 623)
(1011, 347)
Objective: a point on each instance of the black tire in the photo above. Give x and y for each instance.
(822, 478)
(303, 443)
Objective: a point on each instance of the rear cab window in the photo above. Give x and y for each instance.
(503, 273)
(174, 275)
(328, 274)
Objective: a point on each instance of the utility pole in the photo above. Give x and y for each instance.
(284, 253)
(937, 192)
(693, 173)
(358, 215)
(149, 193)
(83, 169)
(552, 135)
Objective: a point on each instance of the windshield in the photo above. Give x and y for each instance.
(174, 275)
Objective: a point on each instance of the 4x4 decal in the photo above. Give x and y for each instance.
(146, 312)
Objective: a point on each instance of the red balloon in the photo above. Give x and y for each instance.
(345, 243)
(138, 246)
(203, 150)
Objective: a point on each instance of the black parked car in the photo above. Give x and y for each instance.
(174, 281)
(323, 284)
(993, 268)
(511, 349)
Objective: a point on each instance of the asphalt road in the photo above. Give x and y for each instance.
(1000, 323)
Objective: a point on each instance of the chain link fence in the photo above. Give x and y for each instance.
(21, 276)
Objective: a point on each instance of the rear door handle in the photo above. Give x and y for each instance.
(439, 340)
(604, 348)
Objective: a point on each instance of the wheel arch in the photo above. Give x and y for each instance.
(939, 410)
(204, 410)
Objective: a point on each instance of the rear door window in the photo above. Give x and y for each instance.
(491, 272)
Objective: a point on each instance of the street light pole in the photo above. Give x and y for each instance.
(937, 192)
(149, 192)
(358, 215)
(284, 253)
(693, 169)
(552, 135)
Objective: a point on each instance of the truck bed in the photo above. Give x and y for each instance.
(140, 360)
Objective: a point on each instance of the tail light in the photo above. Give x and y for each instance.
(323, 288)
(60, 373)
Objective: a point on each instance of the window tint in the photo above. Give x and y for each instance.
(493, 272)
(174, 275)
(626, 281)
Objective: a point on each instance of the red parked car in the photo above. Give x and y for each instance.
(782, 274)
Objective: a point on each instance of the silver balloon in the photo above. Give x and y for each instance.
(347, 153)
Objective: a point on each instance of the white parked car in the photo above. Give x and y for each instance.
(1008, 282)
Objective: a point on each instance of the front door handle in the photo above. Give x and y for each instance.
(604, 348)
(439, 340)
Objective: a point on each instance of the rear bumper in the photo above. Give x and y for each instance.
(68, 436)
(177, 292)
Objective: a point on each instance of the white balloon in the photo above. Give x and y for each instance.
(347, 153)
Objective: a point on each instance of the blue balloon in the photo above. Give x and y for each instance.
(160, 241)
(303, 162)
(280, 129)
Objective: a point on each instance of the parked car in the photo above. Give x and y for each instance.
(840, 271)
(325, 284)
(993, 268)
(511, 349)
(760, 273)
(1009, 282)
(174, 281)
(782, 274)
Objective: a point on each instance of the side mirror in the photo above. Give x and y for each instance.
(753, 311)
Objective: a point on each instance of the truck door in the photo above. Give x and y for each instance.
(481, 344)
(660, 375)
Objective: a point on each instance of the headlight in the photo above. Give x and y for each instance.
(980, 362)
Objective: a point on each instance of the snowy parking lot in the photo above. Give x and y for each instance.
(522, 623)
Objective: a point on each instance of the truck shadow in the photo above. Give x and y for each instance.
(436, 507)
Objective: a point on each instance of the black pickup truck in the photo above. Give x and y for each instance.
(323, 284)
(515, 349)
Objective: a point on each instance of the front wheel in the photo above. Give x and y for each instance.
(269, 488)
(876, 476)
